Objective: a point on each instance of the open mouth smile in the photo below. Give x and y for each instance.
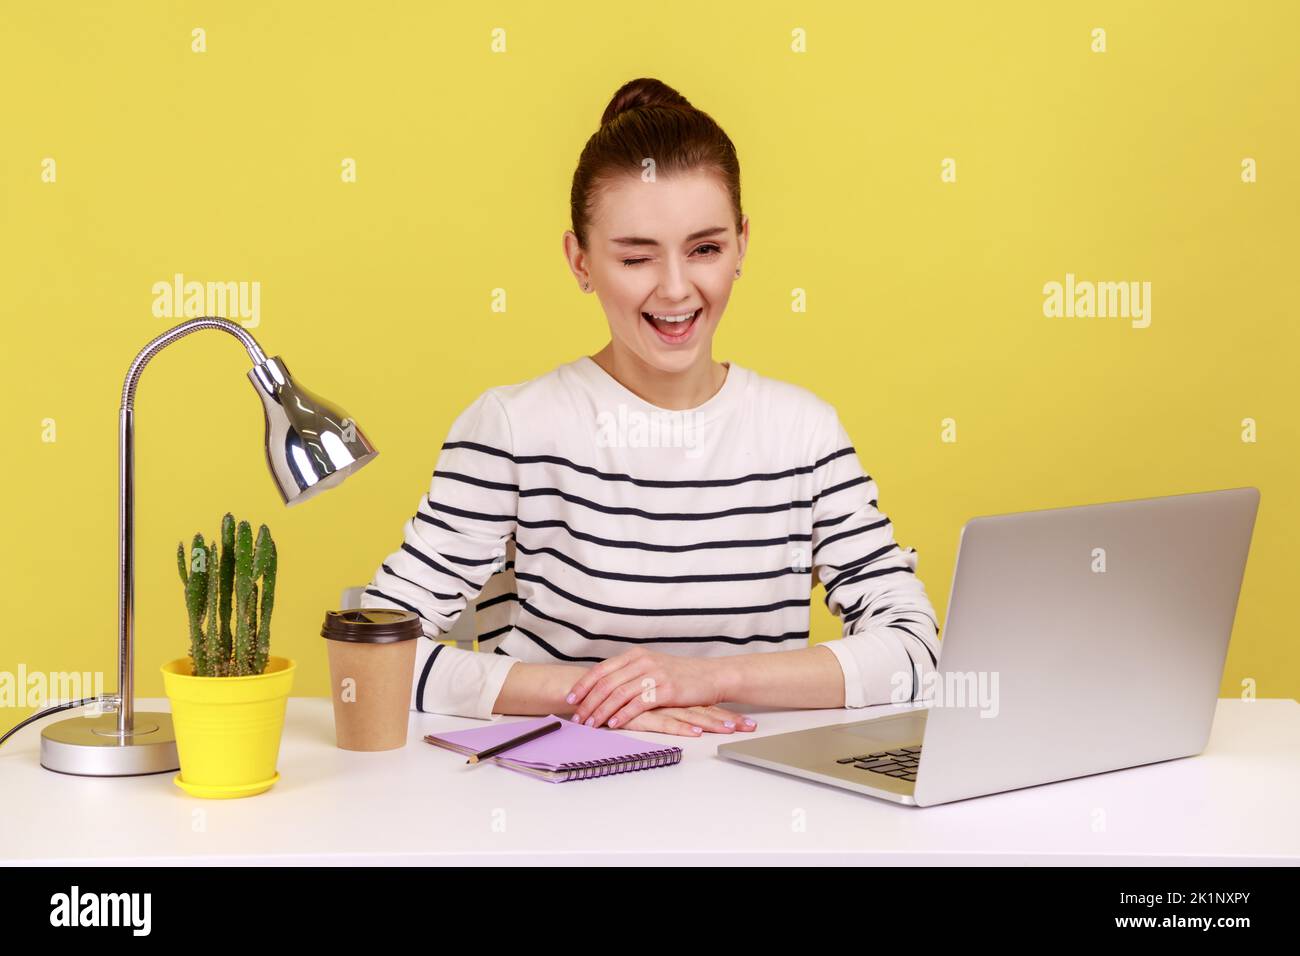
(673, 328)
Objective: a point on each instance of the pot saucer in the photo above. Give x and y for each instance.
(225, 792)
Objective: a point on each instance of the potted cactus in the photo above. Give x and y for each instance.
(228, 695)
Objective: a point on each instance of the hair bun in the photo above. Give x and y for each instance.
(643, 91)
(660, 123)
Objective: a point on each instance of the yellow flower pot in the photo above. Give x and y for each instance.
(228, 728)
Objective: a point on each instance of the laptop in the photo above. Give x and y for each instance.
(1078, 641)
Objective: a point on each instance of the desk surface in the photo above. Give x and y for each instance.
(1235, 803)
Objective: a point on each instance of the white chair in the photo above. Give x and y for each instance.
(464, 633)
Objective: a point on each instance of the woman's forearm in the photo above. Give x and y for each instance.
(807, 677)
(532, 689)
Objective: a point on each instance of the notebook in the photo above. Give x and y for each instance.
(574, 752)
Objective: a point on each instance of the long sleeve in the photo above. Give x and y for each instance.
(890, 631)
(453, 544)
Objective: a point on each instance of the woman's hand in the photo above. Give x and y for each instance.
(618, 689)
(689, 721)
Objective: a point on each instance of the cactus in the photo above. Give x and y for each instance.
(264, 566)
(212, 578)
(227, 582)
(196, 599)
(243, 656)
(252, 629)
(214, 663)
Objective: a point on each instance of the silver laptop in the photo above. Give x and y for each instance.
(1078, 640)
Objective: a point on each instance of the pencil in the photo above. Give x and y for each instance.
(516, 741)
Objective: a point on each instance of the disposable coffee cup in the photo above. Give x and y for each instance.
(372, 666)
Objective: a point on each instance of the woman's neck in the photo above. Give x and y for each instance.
(677, 391)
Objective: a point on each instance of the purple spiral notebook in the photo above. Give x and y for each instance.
(574, 752)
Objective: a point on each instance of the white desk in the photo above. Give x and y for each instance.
(1235, 803)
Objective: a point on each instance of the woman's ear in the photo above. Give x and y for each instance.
(577, 259)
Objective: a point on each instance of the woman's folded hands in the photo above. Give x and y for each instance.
(662, 693)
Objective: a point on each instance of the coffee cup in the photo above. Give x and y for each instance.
(372, 666)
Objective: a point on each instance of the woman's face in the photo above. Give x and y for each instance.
(660, 251)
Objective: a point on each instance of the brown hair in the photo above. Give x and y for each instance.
(648, 118)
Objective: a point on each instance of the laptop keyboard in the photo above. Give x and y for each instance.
(900, 763)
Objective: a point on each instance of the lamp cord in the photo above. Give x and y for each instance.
(111, 699)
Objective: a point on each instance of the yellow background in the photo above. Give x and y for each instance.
(924, 298)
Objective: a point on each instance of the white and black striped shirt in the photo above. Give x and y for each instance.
(587, 521)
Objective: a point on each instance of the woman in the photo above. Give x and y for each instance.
(658, 516)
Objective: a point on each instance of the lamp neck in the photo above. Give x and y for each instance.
(126, 503)
(179, 332)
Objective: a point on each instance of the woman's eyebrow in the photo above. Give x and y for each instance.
(640, 241)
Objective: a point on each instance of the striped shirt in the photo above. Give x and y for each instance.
(585, 521)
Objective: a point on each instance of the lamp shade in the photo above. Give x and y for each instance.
(311, 444)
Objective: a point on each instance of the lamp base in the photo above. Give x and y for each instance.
(91, 747)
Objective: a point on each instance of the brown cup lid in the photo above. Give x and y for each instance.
(371, 625)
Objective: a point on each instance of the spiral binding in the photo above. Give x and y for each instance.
(584, 769)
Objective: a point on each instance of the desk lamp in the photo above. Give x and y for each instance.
(311, 445)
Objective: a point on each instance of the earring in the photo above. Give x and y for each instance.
(737, 273)
(586, 287)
